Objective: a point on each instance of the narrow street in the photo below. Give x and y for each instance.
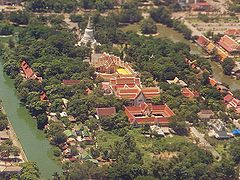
(204, 143)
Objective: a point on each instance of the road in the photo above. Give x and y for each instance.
(204, 142)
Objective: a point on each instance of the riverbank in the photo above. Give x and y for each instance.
(33, 141)
(13, 137)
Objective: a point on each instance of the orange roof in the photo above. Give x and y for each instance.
(149, 114)
(222, 53)
(109, 111)
(150, 92)
(212, 81)
(188, 93)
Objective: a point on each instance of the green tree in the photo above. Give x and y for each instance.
(148, 26)
(228, 65)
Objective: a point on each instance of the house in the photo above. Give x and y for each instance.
(149, 114)
(202, 41)
(10, 169)
(232, 32)
(212, 81)
(205, 114)
(186, 92)
(156, 130)
(70, 82)
(228, 98)
(178, 82)
(28, 72)
(201, 6)
(219, 129)
(43, 96)
(229, 44)
(108, 111)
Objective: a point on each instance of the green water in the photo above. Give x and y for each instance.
(34, 143)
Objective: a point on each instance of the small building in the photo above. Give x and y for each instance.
(219, 129)
(201, 6)
(10, 170)
(212, 81)
(202, 41)
(28, 72)
(232, 32)
(70, 82)
(157, 131)
(108, 111)
(177, 82)
(228, 98)
(205, 114)
(188, 93)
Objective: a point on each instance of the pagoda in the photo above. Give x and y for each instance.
(88, 36)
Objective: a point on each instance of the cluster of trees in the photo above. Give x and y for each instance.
(20, 17)
(228, 65)
(6, 29)
(101, 5)
(235, 6)
(52, 5)
(3, 121)
(163, 15)
(148, 26)
(7, 148)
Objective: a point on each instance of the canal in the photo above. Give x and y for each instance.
(35, 145)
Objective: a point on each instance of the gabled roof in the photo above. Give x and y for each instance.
(188, 93)
(71, 82)
(202, 41)
(43, 96)
(229, 44)
(109, 111)
(222, 53)
(212, 81)
(26, 69)
(150, 92)
(228, 98)
(149, 114)
(232, 32)
(205, 114)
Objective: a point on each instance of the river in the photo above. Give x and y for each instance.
(35, 145)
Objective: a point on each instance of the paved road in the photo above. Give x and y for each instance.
(204, 142)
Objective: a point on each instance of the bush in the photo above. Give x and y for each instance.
(57, 152)
(6, 29)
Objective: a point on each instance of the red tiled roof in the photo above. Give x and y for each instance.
(26, 69)
(188, 93)
(150, 92)
(202, 41)
(43, 96)
(229, 44)
(228, 98)
(71, 82)
(149, 114)
(232, 32)
(109, 111)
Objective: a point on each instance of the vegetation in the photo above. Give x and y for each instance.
(163, 15)
(148, 27)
